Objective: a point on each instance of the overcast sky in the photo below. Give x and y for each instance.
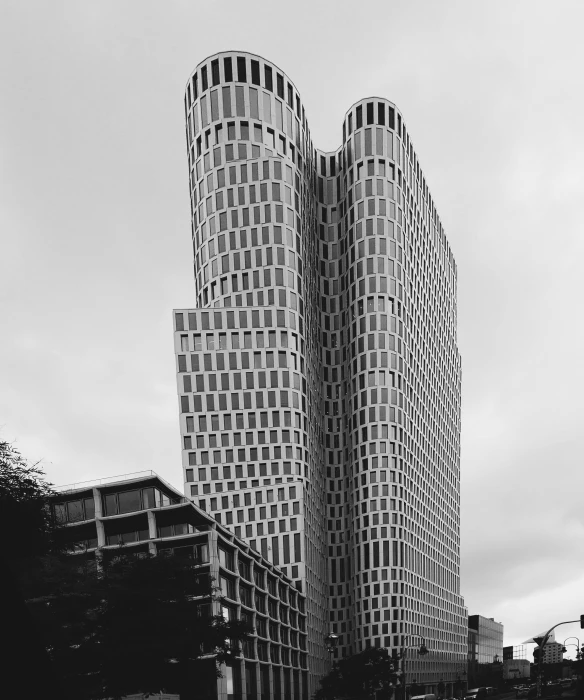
(95, 239)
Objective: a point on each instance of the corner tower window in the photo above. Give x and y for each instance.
(255, 72)
(241, 72)
(215, 72)
(227, 69)
(268, 78)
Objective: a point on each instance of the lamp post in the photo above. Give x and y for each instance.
(422, 651)
(331, 641)
(461, 682)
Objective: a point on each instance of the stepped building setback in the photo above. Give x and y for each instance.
(318, 372)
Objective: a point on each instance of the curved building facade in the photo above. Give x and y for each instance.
(318, 373)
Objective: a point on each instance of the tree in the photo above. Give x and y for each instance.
(140, 624)
(26, 524)
(359, 676)
(26, 530)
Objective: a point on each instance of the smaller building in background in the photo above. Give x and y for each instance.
(516, 669)
(141, 514)
(485, 651)
(487, 640)
(519, 651)
(553, 653)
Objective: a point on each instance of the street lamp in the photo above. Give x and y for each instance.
(331, 641)
(422, 651)
(461, 682)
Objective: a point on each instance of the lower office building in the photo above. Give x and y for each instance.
(318, 371)
(485, 650)
(143, 514)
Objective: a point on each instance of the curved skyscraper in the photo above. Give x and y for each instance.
(318, 372)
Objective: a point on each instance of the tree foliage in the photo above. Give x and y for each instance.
(137, 625)
(360, 676)
(26, 525)
(88, 629)
(26, 530)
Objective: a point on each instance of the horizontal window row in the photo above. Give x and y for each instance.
(113, 504)
(242, 69)
(375, 113)
(250, 515)
(262, 279)
(247, 102)
(214, 290)
(218, 319)
(214, 193)
(237, 341)
(250, 319)
(243, 380)
(199, 552)
(284, 297)
(242, 175)
(274, 469)
(264, 236)
(208, 362)
(274, 452)
(241, 421)
(246, 216)
(260, 437)
(246, 260)
(266, 143)
(243, 400)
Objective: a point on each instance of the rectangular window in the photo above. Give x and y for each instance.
(215, 72)
(227, 69)
(241, 71)
(255, 72)
(268, 78)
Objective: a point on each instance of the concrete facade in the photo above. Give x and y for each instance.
(318, 371)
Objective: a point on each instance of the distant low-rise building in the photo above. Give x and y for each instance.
(516, 668)
(519, 651)
(553, 653)
(143, 514)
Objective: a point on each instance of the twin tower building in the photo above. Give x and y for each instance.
(319, 376)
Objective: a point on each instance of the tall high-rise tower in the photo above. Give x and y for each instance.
(318, 374)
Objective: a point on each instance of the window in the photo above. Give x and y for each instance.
(226, 559)
(122, 538)
(175, 530)
(131, 501)
(228, 69)
(268, 78)
(241, 72)
(74, 511)
(255, 72)
(227, 587)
